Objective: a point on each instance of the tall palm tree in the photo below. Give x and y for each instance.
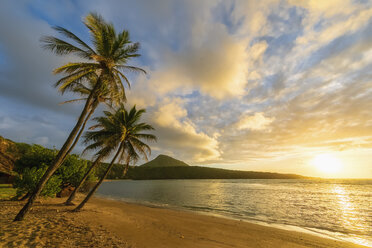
(120, 131)
(107, 59)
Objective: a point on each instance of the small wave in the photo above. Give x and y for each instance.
(208, 209)
(259, 185)
(139, 202)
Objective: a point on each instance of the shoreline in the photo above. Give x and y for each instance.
(310, 231)
(113, 223)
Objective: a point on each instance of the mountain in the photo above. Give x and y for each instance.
(165, 167)
(199, 172)
(164, 161)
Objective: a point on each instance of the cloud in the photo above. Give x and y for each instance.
(142, 93)
(27, 75)
(252, 16)
(328, 8)
(216, 65)
(274, 56)
(328, 20)
(178, 135)
(36, 131)
(254, 122)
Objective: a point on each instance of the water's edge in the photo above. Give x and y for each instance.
(336, 209)
(312, 231)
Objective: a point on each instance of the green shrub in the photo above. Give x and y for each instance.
(35, 156)
(73, 170)
(35, 160)
(27, 181)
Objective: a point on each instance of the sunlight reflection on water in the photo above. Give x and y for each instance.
(337, 208)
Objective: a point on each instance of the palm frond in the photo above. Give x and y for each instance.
(146, 136)
(61, 47)
(68, 82)
(73, 100)
(74, 67)
(130, 68)
(72, 36)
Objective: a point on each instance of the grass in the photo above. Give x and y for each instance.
(7, 191)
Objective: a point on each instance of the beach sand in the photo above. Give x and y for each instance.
(108, 223)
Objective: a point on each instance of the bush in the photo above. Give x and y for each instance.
(34, 162)
(35, 156)
(73, 170)
(27, 181)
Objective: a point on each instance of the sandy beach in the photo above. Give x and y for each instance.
(108, 223)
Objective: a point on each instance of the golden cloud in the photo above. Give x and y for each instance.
(254, 122)
(178, 133)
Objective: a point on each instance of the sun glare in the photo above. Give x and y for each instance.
(327, 163)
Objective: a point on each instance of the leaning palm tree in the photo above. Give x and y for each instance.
(122, 132)
(107, 59)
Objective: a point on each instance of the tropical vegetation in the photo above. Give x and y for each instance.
(34, 162)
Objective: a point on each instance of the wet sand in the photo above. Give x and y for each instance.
(108, 223)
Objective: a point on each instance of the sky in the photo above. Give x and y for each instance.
(270, 85)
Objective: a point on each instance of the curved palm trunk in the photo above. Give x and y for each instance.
(57, 161)
(81, 205)
(80, 132)
(72, 196)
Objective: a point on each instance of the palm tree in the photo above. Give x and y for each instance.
(107, 59)
(120, 131)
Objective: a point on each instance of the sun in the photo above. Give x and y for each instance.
(327, 163)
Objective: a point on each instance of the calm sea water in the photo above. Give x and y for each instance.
(340, 209)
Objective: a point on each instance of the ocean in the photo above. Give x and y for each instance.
(339, 209)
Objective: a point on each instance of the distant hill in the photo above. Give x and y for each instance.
(198, 172)
(164, 161)
(165, 167)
